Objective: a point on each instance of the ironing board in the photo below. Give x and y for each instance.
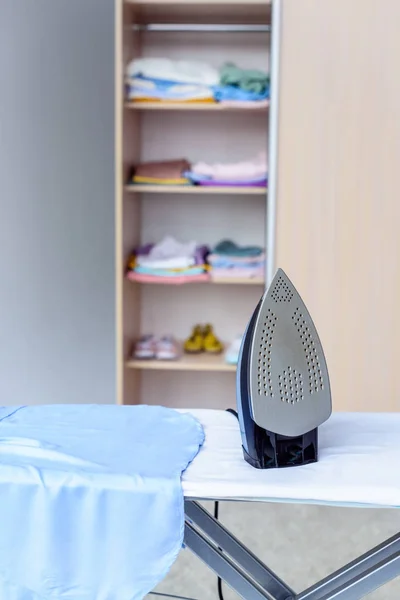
(359, 466)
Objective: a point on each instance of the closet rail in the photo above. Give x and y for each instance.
(206, 28)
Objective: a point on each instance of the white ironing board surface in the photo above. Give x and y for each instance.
(359, 464)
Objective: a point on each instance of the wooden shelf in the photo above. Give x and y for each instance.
(223, 280)
(199, 3)
(236, 281)
(197, 362)
(202, 11)
(195, 189)
(190, 106)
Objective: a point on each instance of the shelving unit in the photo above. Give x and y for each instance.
(156, 131)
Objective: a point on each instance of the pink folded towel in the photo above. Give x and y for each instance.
(241, 171)
(175, 280)
(236, 273)
(212, 258)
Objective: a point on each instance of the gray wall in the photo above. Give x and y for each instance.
(57, 306)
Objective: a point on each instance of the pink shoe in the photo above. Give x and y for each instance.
(145, 347)
(167, 348)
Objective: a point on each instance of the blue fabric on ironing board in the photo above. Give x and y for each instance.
(91, 502)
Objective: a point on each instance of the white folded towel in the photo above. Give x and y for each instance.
(166, 263)
(169, 253)
(174, 70)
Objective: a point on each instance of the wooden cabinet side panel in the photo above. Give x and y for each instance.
(338, 211)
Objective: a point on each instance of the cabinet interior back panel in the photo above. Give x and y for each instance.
(175, 309)
(246, 50)
(203, 136)
(204, 219)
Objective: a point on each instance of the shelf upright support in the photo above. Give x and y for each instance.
(273, 141)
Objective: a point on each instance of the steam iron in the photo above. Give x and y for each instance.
(282, 382)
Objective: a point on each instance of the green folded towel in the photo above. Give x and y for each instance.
(229, 248)
(249, 80)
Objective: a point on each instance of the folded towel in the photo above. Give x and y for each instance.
(249, 80)
(174, 70)
(176, 262)
(169, 247)
(236, 273)
(255, 168)
(196, 270)
(198, 178)
(182, 279)
(167, 169)
(230, 92)
(262, 183)
(251, 104)
(229, 248)
(169, 250)
(161, 101)
(159, 181)
(226, 259)
(140, 88)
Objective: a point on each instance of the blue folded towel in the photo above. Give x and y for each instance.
(231, 92)
(91, 503)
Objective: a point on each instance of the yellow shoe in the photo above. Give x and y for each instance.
(212, 344)
(195, 343)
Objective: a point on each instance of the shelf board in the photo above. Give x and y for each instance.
(206, 3)
(196, 362)
(193, 106)
(237, 281)
(215, 281)
(202, 11)
(195, 189)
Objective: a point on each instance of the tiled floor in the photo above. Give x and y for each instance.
(301, 543)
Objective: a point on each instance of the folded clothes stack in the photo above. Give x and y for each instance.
(242, 87)
(228, 260)
(165, 80)
(250, 173)
(168, 262)
(167, 172)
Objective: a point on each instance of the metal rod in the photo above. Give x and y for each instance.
(201, 27)
(223, 566)
(273, 146)
(383, 559)
(220, 536)
(365, 583)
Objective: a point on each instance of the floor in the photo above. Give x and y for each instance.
(301, 543)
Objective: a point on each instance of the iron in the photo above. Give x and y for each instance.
(282, 382)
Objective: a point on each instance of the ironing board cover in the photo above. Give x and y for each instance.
(91, 503)
(359, 458)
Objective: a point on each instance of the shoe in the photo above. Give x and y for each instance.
(195, 343)
(145, 347)
(167, 348)
(211, 343)
(232, 353)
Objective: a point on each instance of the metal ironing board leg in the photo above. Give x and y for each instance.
(253, 580)
(231, 547)
(225, 568)
(361, 576)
